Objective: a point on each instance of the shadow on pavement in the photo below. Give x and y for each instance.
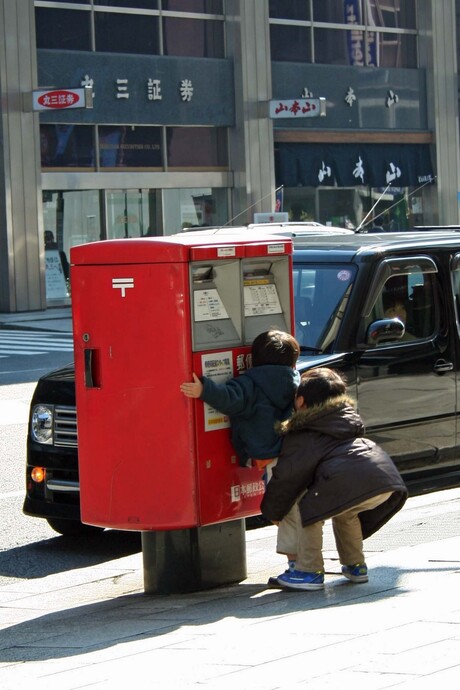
(61, 554)
(96, 626)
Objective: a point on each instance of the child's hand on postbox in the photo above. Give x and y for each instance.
(192, 390)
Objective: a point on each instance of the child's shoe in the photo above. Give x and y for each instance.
(356, 572)
(297, 579)
(273, 581)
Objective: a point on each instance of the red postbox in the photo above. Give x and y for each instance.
(146, 313)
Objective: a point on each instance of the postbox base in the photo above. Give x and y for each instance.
(189, 560)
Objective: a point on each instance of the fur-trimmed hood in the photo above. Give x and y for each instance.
(336, 417)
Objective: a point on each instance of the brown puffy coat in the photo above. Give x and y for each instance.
(326, 454)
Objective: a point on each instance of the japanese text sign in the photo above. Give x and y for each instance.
(298, 107)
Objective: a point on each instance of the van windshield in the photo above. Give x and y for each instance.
(321, 295)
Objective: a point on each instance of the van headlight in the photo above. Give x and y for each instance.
(41, 424)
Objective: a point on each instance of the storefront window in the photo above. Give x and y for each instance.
(135, 31)
(149, 213)
(201, 6)
(72, 218)
(63, 29)
(292, 29)
(200, 148)
(335, 47)
(400, 14)
(398, 208)
(333, 11)
(193, 37)
(67, 146)
(130, 213)
(130, 147)
(290, 43)
(294, 9)
(187, 208)
(396, 50)
(133, 147)
(126, 33)
(144, 4)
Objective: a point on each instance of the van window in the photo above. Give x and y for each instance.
(320, 297)
(409, 298)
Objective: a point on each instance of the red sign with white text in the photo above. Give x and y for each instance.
(58, 99)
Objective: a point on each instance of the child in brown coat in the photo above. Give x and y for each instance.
(328, 469)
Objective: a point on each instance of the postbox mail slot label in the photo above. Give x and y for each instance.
(277, 248)
(223, 252)
(283, 248)
(208, 305)
(261, 299)
(212, 252)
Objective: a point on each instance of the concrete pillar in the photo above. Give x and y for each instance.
(438, 54)
(251, 139)
(22, 278)
(189, 560)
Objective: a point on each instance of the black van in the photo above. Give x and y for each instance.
(381, 308)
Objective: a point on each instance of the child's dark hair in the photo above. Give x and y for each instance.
(275, 347)
(318, 385)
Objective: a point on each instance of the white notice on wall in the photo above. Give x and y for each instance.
(261, 299)
(217, 366)
(208, 305)
(55, 280)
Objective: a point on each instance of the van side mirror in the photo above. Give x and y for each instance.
(384, 330)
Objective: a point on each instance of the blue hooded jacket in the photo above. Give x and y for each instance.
(254, 401)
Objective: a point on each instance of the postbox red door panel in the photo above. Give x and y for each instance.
(136, 443)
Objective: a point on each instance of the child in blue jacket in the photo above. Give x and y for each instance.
(256, 399)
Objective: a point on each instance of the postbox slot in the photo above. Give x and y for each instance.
(266, 296)
(92, 368)
(216, 304)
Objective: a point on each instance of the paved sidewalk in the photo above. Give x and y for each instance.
(57, 319)
(94, 627)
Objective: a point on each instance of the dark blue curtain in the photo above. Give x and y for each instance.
(349, 165)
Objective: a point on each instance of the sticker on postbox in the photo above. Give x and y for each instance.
(208, 305)
(240, 492)
(217, 366)
(261, 299)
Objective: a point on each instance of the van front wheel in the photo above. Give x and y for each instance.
(73, 528)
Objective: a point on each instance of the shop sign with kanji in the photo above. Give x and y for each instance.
(297, 108)
(59, 99)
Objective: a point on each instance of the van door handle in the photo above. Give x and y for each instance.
(441, 366)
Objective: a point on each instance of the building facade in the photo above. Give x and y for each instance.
(206, 111)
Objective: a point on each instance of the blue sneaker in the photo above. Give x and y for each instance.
(356, 572)
(273, 581)
(297, 579)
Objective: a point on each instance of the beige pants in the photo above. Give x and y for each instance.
(307, 542)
